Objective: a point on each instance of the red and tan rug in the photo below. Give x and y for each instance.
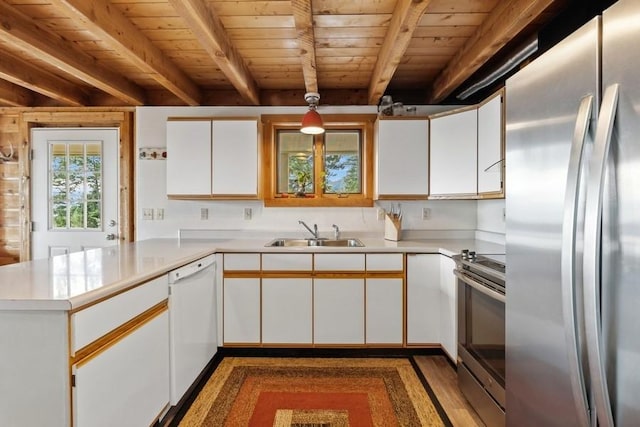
(313, 392)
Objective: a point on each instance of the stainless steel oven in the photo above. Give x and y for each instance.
(481, 334)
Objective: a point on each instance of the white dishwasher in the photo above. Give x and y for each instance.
(192, 322)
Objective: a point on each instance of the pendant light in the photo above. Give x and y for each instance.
(312, 122)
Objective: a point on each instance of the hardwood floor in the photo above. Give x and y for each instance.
(443, 381)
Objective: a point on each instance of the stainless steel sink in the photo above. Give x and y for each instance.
(340, 243)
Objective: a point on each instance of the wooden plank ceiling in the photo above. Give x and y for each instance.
(218, 52)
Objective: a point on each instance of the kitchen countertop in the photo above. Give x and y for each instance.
(68, 282)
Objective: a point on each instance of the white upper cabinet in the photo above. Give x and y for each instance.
(402, 158)
(454, 154)
(235, 157)
(490, 147)
(217, 159)
(189, 157)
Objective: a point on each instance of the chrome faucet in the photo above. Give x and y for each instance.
(314, 231)
(336, 232)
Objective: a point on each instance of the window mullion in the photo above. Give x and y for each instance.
(318, 165)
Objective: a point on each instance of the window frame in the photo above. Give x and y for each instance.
(274, 123)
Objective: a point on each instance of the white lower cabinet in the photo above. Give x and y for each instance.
(241, 310)
(338, 311)
(423, 298)
(448, 307)
(127, 384)
(384, 311)
(287, 311)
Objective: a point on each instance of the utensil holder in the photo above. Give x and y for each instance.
(392, 227)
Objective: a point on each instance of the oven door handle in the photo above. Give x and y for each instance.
(480, 287)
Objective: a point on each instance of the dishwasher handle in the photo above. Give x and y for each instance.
(191, 269)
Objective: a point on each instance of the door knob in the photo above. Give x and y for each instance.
(111, 236)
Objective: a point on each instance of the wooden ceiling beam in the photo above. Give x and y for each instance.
(105, 21)
(14, 95)
(24, 74)
(404, 21)
(23, 32)
(303, 18)
(212, 36)
(504, 23)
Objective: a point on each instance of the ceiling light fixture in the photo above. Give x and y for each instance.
(311, 121)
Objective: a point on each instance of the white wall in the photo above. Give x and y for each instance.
(491, 220)
(229, 215)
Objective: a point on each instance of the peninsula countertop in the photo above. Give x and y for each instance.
(68, 282)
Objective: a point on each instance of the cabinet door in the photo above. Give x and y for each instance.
(338, 311)
(235, 158)
(128, 383)
(286, 311)
(402, 158)
(448, 307)
(490, 146)
(241, 311)
(384, 311)
(189, 157)
(454, 154)
(423, 298)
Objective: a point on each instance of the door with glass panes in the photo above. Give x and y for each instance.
(74, 192)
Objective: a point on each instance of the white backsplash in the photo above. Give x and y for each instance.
(491, 221)
(454, 215)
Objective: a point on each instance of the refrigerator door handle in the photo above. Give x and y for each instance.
(568, 261)
(592, 249)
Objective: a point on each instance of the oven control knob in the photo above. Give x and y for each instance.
(472, 255)
(465, 253)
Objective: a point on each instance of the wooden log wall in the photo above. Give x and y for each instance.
(10, 190)
(15, 206)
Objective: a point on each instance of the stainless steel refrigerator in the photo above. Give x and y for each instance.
(573, 229)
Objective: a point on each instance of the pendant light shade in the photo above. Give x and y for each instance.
(312, 122)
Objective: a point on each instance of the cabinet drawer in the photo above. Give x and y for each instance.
(290, 262)
(91, 323)
(385, 262)
(339, 262)
(241, 262)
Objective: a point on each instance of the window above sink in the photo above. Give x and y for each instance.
(330, 169)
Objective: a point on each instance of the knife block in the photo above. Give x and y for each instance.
(392, 227)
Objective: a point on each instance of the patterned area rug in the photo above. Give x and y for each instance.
(313, 392)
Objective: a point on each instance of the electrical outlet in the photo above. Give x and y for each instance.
(159, 213)
(247, 214)
(204, 213)
(426, 214)
(147, 214)
(380, 214)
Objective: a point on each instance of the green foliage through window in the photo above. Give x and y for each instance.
(75, 185)
(340, 172)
